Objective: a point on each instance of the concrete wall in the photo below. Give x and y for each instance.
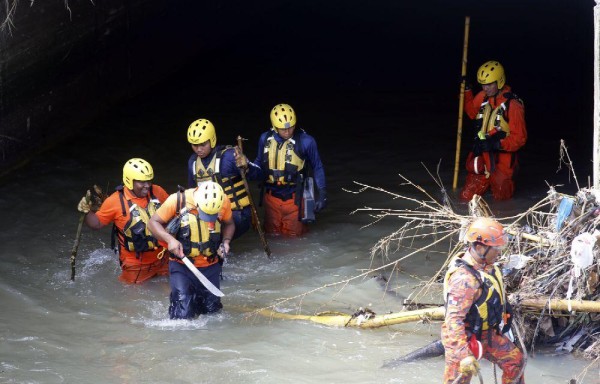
(60, 67)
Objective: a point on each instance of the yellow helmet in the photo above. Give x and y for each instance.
(490, 72)
(201, 131)
(209, 198)
(283, 116)
(136, 169)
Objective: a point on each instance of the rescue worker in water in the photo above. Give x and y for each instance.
(287, 155)
(477, 312)
(204, 215)
(499, 118)
(224, 165)
(130, 209)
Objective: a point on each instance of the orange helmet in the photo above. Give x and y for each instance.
(486, 231)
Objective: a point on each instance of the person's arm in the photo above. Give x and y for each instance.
(157, 227)
(233, 165)
(518, 131)
(312, 155)
(191, 171)
(472, 103)
(92, 221)
(259, 154)
(86, 207)
(227, 230)
(462, 290)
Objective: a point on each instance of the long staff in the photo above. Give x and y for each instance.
(255, 218)
(76, 245)
(98, 195)
(461, 100)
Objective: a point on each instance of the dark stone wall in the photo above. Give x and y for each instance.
(62, 66)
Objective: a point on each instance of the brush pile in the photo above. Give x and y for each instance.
(551, 258)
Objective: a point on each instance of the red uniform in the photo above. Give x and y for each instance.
(499, 166)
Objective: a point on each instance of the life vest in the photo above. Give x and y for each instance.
(283, 161)
(198, 238)
(490, 310)
(135, 236)
(232, 186)
(490, 120)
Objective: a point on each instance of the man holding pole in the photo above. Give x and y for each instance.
(223, 165)
(129, 209)
(499, 118)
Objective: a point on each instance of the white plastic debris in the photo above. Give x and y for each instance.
(517, 261)
(582, 253)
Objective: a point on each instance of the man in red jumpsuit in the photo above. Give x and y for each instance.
(477, 322)
(499, 117)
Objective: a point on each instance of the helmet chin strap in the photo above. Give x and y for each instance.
(482, 257)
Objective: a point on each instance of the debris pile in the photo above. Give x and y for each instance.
(552, 257)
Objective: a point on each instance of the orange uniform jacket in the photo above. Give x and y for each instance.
(516, 117)
(168, 210)
(111, 211)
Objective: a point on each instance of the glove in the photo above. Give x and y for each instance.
(241, 161)
(321, 201)
(468, 86)
(490, 144)
(85, 204)
(469, 366)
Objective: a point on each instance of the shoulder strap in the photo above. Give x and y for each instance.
(180, 199)
(122, 199)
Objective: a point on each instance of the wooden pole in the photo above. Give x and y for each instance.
(596, 155)
(461, 101)
(376, 321)
(76, 245)
(561, 305)
(263, 239)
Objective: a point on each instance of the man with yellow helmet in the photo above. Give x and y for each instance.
(499, 118)
(129, 209)
(203, 233)
(478, 316)
(221, 164)
(287, 155)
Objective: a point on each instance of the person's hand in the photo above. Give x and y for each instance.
(468, 86)
(85, 204)
(469, 366)
(493, 141)
(321, 201)
(241, 161)
(490, 144)
(224, 248)
(175, 248)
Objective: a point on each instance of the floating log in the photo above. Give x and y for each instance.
(366, 319)
(561, 305)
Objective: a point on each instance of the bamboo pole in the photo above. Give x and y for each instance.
(561, 305)
(461, 101)
(345, 320)
(596, 138)
(542, 241)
